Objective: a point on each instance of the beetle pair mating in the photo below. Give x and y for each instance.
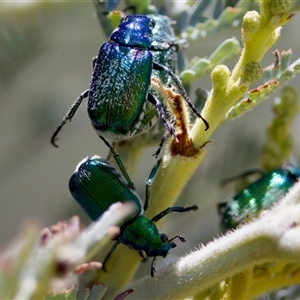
(123, 101)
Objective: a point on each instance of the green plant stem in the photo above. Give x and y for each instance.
(274, 281)
(239, 286)
(227, 89)
(166, 187)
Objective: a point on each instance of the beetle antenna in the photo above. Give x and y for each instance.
(182, 239)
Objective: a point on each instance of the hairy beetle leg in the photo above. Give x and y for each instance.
(182, 91)
(69, 115)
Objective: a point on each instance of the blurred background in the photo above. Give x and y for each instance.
(45, 58)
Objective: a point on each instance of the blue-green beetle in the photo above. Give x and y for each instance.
(162, 33)
(119, 97)
(96, 184)
(258, 196)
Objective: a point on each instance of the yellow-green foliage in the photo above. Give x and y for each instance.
(255, 258)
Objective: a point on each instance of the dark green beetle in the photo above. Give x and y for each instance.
(96, 184)
(258, 196)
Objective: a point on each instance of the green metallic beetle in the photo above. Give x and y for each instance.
(96, 184)
(258, 196)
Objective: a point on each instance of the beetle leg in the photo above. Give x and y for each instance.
(152, 268)
(170, 129)
(110, 154)
(160, 144)
(182, 91)
(112, 249)
(119, 162)
(173, 209)
(143, 255)
(69, 115)
(149, 183)
(152, 99)
(159, 46)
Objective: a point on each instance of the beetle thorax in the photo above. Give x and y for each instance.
(142, 234)
(134, 31)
